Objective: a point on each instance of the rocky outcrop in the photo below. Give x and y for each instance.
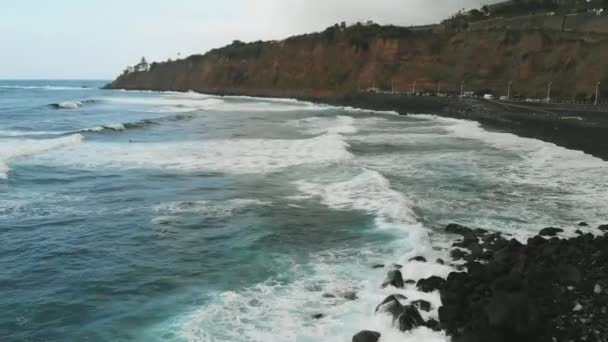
(545, 290)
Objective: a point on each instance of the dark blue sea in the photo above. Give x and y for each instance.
(147, 216)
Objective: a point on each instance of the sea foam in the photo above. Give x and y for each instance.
(12, 149)
(239, 156)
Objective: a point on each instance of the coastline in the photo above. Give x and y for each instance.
(573, 129)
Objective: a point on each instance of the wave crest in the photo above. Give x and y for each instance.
(13, 149)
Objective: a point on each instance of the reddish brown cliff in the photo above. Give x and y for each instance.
(340, 60)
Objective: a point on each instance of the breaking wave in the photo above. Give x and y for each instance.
(240, 156)
(12, 149)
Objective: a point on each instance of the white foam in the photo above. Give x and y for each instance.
(360, 110)
(278, 311)
(223, 156)
(171, 211)
(368, 191)
(323, 125)
(69, 104)
(113, 127)
(17, 133)
(169, 103)
(12, 149)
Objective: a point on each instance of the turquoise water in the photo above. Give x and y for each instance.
(143, 216)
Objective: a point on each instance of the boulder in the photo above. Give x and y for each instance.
(432, 324)
(583, 224)
(410, 318)
(391, 305)
(422, 305)
(318, 316)
(378, 266)
(603, 227)
(418, 258)
(458, 254)
(367, 336)
(550, 231)
(430, 284)
(440, 261)
(458, 229)
(393, 278)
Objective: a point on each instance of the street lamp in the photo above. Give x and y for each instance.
(509, 90)
(597, 92)
(549, 92)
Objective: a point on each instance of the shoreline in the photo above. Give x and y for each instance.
(569, 128)
(552, 288)
(573, 129)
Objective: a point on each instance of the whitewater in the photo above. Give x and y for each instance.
(148, 216)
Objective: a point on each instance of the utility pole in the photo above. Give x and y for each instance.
(549, 92)
(597, 92)
(414, 88)
(438, 87)
(509, 90)
(462, 89)
(392, 86)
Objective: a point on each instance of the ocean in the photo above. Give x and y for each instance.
(160, 216)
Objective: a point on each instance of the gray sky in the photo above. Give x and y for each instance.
(98, 38)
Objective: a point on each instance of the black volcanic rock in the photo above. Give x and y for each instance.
(367, 336)
(430, 284)
(410, 318)
(547, 290)
(394, 278)
(551, 231)
(422, 305)
(391, 305)
(418, 258)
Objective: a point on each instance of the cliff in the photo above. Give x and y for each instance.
(340, 60)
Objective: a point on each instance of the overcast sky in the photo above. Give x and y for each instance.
(96, 39)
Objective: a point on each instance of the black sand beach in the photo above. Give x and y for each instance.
(575, 129)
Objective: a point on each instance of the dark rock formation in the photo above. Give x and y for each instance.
(367, 336)
(393, 278)
(378, 266)
(547, 290)
(391, 304)
(430, 284)
(318, 316)
(551, 231)
(422, 305)
(409, 318)
(418, 258)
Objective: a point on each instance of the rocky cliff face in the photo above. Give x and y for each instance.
(341, 60)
